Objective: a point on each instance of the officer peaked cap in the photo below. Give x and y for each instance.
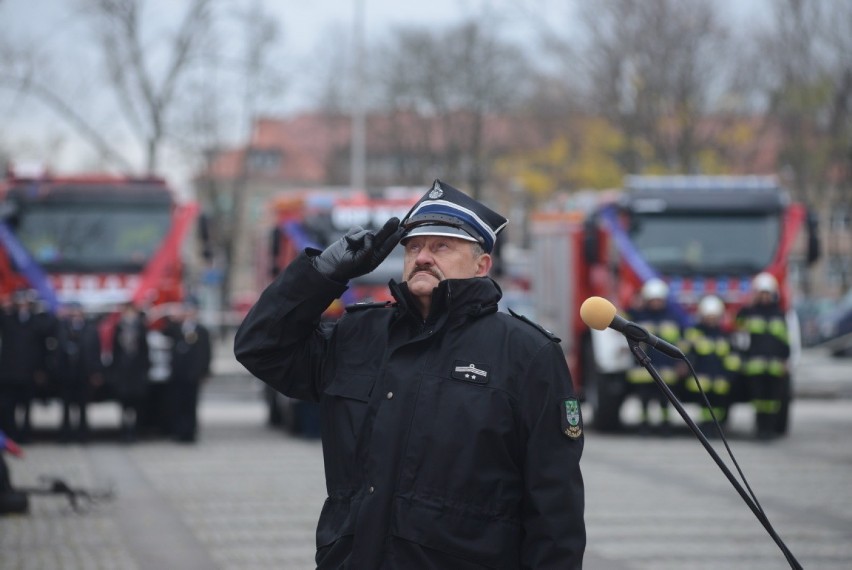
(447, 211)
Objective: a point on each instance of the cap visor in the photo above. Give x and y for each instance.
(446, 231)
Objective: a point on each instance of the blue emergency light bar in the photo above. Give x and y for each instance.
(699, 182)
(704, 194)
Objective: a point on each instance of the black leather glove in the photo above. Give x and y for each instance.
(358, 252)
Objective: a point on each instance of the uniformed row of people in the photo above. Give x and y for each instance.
(45, 355)
(756, 367)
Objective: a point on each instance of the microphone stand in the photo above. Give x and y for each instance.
(645, 361)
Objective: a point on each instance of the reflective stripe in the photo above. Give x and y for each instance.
(778, 328)
(706, 383)
(669, 331)
(755, 325)
(721, 386)
(668, 375)
(766, 406)
(718, 385)
(756, 366)
(732, 362)
(704, 347)
(720, 414)
(639, 376)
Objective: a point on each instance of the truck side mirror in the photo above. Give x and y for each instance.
(274, 250)
(9, 211)
(814, 244)
(204, 237)
(591, 240)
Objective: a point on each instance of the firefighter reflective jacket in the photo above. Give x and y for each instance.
(768, 345)
(450, 442)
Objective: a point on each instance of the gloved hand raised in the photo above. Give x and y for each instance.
(358, 252)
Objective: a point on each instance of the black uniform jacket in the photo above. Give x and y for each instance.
(442, 439)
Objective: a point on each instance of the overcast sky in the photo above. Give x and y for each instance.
(308, 27)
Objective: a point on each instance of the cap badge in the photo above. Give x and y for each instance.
(436, 192)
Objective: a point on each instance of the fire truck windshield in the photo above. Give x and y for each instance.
(93, 237)
(707, 244)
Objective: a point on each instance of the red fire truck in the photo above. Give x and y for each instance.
(316, 218)
(97, 240)
(700, 234)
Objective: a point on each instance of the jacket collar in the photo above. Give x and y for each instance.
(453, 298)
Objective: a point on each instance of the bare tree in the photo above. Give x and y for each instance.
(26, 73)
(449, 82)
(213, 110)
(807, 74)
(146, 96)
(650, 67)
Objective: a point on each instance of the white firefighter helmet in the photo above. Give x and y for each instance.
(765, 282)
(711, 306)
(655, 289)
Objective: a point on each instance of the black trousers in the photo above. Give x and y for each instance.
(15, 398)
(184, 409)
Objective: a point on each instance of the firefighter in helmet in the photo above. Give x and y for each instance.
(708, 348)
(766, 356)
(655, 314)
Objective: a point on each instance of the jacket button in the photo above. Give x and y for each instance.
(390, 395)
(371, 489)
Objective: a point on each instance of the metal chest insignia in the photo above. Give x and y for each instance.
(470, 372)
(572, 425)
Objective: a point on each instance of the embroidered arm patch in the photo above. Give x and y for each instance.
(572, 423)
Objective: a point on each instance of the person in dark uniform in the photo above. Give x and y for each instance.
(657, 317)
(12, 501)
(707, 345)
(79, 369)
(451, 432)
(129, 367)
(23, 362)
(190, 365)
(765, 359)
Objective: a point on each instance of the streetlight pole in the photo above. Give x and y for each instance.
(358, 152)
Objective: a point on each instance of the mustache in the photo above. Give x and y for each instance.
(428, 269)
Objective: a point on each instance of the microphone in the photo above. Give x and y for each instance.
(599, 314)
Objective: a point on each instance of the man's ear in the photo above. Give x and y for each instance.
(483, 265)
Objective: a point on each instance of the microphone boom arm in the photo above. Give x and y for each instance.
(645, 361)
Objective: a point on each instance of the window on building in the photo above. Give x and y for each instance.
(264, 161)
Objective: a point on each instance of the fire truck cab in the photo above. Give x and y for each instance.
(97, 240)
(700, 234)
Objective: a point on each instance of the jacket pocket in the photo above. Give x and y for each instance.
(490, 542)
(351, 386)
(343, 409)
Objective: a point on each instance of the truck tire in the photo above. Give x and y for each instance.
(603, 393)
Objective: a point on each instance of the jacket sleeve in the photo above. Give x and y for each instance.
(554, 530)
(281, 341)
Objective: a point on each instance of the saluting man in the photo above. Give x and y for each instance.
(451, 432)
